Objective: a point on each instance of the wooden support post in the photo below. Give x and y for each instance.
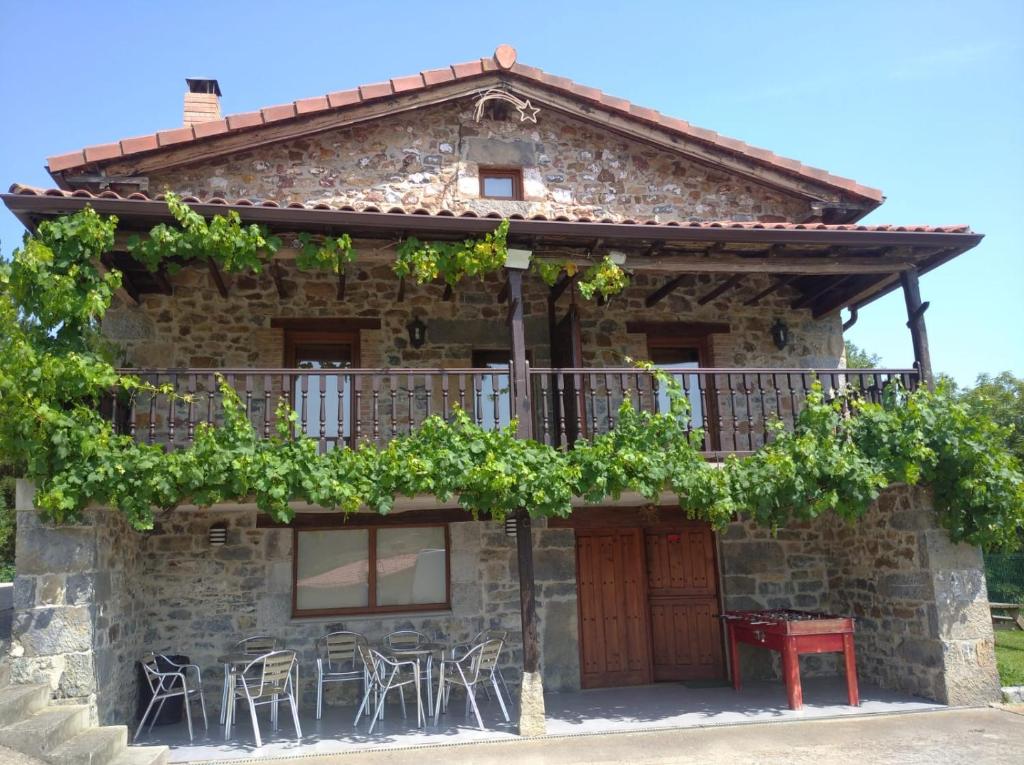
(278, 276)
(531, 689)
(915, 320)
(721, 289)
(532, 720)
(218, 278)
(341, 284)
(664, 291)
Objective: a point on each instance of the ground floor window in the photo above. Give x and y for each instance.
(370, 569)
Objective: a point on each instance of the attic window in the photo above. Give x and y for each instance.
(501, 183)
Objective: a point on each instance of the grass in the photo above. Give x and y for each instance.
(1010, 656)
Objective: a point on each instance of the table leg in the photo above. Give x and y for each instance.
(851, 671)
(734, 659)
(420, 719)
(791, 674)
(229, 705)
(430, 681)
(224, 694)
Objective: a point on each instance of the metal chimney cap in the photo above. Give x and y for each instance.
(203, 85)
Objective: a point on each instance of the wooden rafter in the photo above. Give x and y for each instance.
(664, 291)
(400, 297)
(561, 285)
(277, 274)
(162, 282)
(773, 287)
(809, 297)
(128, 292)
(448, 292)
(218, 277)
(721, 289)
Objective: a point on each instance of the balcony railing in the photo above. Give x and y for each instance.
(733, 407)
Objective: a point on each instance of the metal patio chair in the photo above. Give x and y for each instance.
(263, 681)
(385, 675)
(258, 645)
(461, 649)
(404, 639)
(338, 661)
(477, 664)
(168, 684)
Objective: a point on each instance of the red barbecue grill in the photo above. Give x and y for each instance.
(792, 633)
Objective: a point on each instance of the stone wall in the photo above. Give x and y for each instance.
(923, 620)
(431, 158)
(787, 570)
(78, 607)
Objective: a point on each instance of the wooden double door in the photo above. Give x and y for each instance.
(648, 605)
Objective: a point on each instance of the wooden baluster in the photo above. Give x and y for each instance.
(304, 404)
(608, 400)
(563, 436)
(268, 384)
(152, 411)
(478, 416)
(462, 392)
(113, 409)
(750, 413)
(340, 437)
(289, 402)
(323, 412)
(444, 395)
(764, 411)
(590, 388)
(545, 415)
(428, 385)
(248, 397)
(720, 409)
(357, 395)
(375, 384)
(211, 393)
(410, 387)
(169, 446)
(655, 390)
(792, 398)
(393, 391)
(496, 396)
(686, 394)
(778, 396)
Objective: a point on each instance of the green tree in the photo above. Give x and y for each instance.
(858, 358)
(1000, 399)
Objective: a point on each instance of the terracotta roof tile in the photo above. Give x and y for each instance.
(102, 151)
(177, 135)
(343, 98)
(142, 143)
(375, 90)
(213, 127)
(307, 105)
(24, 190)
(275, 113)
(244, 120)
(503, 60)
(402, 84)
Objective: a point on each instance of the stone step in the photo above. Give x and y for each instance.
(46, 730)
(144, 755)
(95, 746)
(20, 701)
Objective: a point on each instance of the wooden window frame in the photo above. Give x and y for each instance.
(705, 358)
(513, 173)
(371, 592)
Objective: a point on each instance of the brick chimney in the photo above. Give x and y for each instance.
(202, 100)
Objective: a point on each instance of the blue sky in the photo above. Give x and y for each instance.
(924, 100)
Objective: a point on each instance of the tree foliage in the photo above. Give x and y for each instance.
(54, 369)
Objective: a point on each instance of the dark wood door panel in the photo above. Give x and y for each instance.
(614, 642)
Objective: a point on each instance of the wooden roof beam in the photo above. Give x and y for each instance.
(218, 277)
(128, 292)
(809, 297)
(773, 287)
(277, 275)
(162, 282)
(664, 291)
(721, 289)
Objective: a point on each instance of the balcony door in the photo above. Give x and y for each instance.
(677, 357)
(321, 396)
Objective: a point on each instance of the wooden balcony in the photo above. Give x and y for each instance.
(733, 407)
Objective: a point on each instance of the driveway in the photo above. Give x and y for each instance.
(948, 737)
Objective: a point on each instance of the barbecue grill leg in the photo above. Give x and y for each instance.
(791, 674)
(734, 659)
(851, 671)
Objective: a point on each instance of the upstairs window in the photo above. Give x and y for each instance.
(501, 183)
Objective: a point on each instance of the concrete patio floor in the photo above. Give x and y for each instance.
(615, 710)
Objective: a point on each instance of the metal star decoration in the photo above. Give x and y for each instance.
(527, 111)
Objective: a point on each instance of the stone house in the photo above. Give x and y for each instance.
(740, 261)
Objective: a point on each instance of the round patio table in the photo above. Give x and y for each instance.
(417, 654)
(233, 664)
